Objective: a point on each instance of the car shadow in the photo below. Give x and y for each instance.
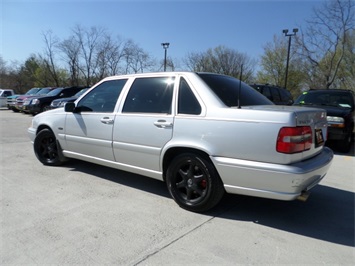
(328, 214)
(121, 177)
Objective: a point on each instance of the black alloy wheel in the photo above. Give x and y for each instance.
(45, 148)
(194, 183)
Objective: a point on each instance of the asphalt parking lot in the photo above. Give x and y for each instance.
(86, 214)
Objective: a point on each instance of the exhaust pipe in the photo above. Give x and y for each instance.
(304, 196)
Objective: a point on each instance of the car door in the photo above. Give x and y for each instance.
(88, 130)
(145, 123)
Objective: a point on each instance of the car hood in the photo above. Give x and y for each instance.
(57, 111)
(44, 97)
(332, 110)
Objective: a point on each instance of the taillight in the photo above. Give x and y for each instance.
(294, 139)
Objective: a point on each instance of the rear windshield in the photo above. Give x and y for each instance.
(227, 89)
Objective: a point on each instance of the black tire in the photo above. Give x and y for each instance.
(45, 107)
(345, 144)
(194, 183)
(46, 148)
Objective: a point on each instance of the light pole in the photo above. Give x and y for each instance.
(165, 46)
(289, 35)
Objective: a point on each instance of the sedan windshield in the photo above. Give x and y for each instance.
(227, 90)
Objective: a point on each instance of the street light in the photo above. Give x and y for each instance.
(289, 35)
(165, 46)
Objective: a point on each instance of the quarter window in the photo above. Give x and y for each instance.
(187, 102)
(103, 98)
(150, 95)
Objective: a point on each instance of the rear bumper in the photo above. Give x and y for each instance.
(282, 182)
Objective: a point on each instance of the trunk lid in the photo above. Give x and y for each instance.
(315, 118)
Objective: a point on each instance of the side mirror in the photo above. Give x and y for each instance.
(69, 107)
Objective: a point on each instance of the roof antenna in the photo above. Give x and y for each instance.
(240, 85)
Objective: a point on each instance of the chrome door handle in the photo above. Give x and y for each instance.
(106, 120)
(163, 124)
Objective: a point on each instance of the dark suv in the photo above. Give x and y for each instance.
(40, 104)
(339, 105)
(277, 95)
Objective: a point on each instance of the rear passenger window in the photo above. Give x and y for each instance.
(187, 102)
(150, 95)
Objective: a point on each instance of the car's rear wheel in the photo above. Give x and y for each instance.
(46, 148)
(194, 183)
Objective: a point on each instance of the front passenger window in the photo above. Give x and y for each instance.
(103, 98)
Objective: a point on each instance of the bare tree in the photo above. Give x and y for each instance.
(110, 54)
(89, 41)
(323, 43)
(51, 44)
(222, 60)
(136, 59)
(70, 49)
(346, 75)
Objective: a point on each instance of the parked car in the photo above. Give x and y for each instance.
(62, 101)
(17, 106)
(339, 105)
(192, 131)
(27, 101)
(41, 104)
(277, 95)
(4, 93)
(11, 101)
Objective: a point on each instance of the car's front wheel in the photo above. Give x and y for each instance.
(345, 144)
(194, 183)
(46, 148)
(45, 107)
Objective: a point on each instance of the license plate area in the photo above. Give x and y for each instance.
(319, 141)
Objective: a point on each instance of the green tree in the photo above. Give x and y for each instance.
(273, 66)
